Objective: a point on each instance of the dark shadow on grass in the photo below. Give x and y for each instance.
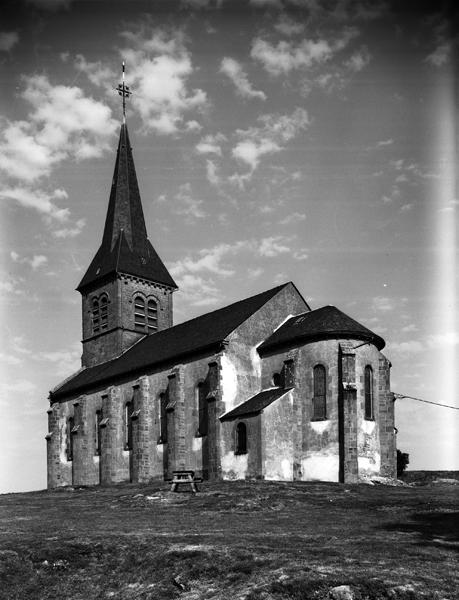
(436, 529)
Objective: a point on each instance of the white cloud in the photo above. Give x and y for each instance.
(70, 232)
(159, 66)
(292, 218)
(10, 359)
(251, 151)
(63, 123)
(301, 254)
(267, 138)
(98, 73)
(380, 303)
(36, 261)
(409, 328)
(188, 206)
(8, 39)
(211, 144)
(198, 291)
(212, 176)
(273, 246)
(255, 272)
(286, 56)
(234, 71)
(383, 143)
(406, 207)
(359, 60)
(64, 362)
(41, 201)
(440, 56)
(287, 26)
(208, 260)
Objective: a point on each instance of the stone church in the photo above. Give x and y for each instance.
(264, 388)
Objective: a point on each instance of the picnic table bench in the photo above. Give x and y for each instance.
(181, 477)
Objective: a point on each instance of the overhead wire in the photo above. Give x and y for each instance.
(401, 396)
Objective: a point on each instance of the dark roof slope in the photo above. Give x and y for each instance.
(323, 323)
(125, 246)
(256, 403)
(202, 333)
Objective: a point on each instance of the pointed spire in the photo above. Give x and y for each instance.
(125, 211)
(125, 246)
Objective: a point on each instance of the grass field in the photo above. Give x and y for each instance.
(238, 540)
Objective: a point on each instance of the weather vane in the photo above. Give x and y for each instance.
(124, 92)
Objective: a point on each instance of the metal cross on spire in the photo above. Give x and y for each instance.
(124, 92)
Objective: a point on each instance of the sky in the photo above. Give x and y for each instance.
(274, 140)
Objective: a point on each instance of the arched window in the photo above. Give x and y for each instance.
(128, 409)
(139, 313)
(319, 401)
(95, 316)
(69, 438)
(152, 315)
(163, 418)
(97, 422)
(241, 439)
(103, 311)
(368, 383)
(277, 380)
(202, 408)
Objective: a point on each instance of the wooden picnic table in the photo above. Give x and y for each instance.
(187, 477)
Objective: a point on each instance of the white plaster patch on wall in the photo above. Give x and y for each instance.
(96, 459)
(256, 362)
(160, 449)
(234, 466)
(62, 438)
(370, 466)
(320, 426)
(229, 383)
(197, 444)
(287, 469)
(320, 468)
(368, 426)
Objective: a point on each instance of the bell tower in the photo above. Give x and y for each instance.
(126, 291)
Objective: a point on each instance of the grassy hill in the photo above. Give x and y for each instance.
(238, 540)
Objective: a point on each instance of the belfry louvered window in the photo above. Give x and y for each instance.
(319, 401)
(369, 409)
(103, 311)
(152, 315)
(99, 309)
(95, 316)
(139, 313)
(145, 314)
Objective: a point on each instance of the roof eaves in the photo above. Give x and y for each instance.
(119, 377)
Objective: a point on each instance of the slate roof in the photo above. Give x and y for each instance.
(125, 246)
(323, 323)
(203, 333)
(256, 403)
